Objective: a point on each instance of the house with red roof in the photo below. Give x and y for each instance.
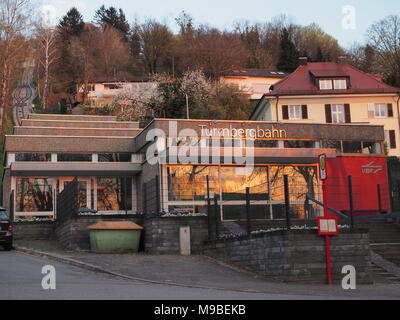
(335, 93)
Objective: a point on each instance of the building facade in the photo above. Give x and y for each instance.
(334, 93)
(253, 81)
(102, 91)
(173, 165)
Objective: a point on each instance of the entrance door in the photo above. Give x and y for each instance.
(84, 194)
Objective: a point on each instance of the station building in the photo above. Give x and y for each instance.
(165, 166)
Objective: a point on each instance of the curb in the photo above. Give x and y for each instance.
(94, 268)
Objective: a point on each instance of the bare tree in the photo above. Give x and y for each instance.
(14, 23)
(212, 51)
(157, 43)
(384, 37)
(48, 55)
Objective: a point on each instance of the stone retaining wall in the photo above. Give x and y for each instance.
(33, 230)
(162, 234)
(296, 255)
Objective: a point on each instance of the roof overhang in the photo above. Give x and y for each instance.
(74, 169)
(257, 156)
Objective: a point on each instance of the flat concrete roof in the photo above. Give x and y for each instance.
(70, 117)
(78, 124)
(78, 132)
(74, 169)
(69, 144)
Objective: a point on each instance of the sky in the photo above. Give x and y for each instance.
(346, 20)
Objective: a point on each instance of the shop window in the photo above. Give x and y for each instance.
(34, 157)
(114, 194)
(189, 182)
(115, 157)
(352, 147)
(33, 195)
(74, 157)
(299, 144)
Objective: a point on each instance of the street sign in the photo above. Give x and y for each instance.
(323, 172)
(328, 226)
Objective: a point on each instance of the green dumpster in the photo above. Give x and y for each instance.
(115, 237)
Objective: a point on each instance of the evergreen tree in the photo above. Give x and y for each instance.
(289, 56)
(72, 23)
(113, 18)
(320, 55)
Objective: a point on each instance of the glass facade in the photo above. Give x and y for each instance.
(187, 189)
(104, 194)
(114, 194)
(82, 196)
(33, 195)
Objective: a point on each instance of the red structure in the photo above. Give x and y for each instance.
(367, 173)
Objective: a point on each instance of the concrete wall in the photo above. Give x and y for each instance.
(162, 234)
(33, 230)
(296, 256)
(74, 234)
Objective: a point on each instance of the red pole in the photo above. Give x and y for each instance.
(327, 239)
(328, 259)
(324, 195)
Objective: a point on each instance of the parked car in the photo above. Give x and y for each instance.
(6, 230)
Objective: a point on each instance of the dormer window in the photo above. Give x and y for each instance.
(340, 84)
(333, 84)
(325, 85)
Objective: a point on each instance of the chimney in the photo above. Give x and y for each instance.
(342, 60)
(303, 61)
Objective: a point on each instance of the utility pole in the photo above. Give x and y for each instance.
(187, 106)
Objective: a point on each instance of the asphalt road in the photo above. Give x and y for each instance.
(21, 278)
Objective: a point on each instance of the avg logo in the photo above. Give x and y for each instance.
(371, 168)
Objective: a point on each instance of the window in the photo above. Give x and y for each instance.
(112, 86)
(82, 193)
(299, 144)
(295, 113)
(330, 84)
(114, 194)
(338, 113)
(332, 144)
(371, 147)
(33, 195)
(115, 157)
(37, 157)
(265, 144)
(352, 147)
(325, 85)
(74, 157)
(4, 216)
(380, 110)
(390, 139)
(340, 84)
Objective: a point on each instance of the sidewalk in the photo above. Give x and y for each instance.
(197, 271)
